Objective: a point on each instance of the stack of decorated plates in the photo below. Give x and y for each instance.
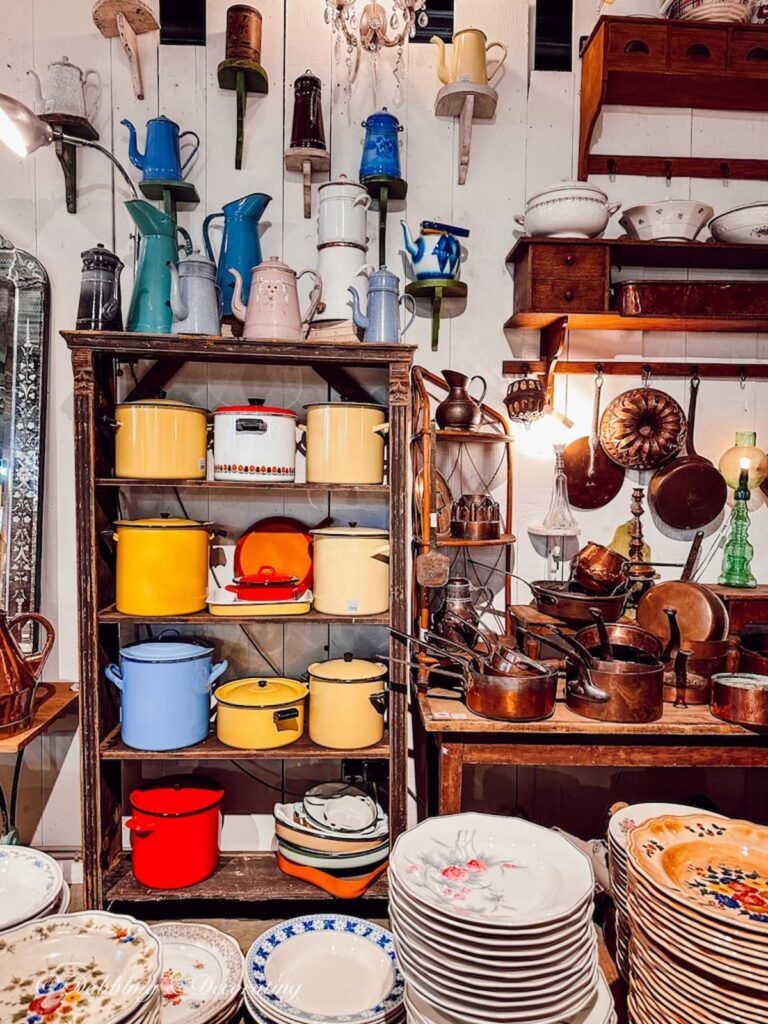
(88, 968)
(698, 904)
(321, 969)
(492, 919)
(202, 977)
(31, 887)
(621, 823)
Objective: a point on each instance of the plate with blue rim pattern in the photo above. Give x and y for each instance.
(30, 883)
(323, 968)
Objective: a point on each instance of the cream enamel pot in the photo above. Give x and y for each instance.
(347, 701)
(351, 570)
(345, 443)
(160, 439)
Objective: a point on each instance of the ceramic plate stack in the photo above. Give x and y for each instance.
(202, 978)
(324, 969)
(31, 887)
(698, 903)
(492, 919)
(621, 823)
(88, 968)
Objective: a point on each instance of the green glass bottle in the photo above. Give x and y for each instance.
(738, 552)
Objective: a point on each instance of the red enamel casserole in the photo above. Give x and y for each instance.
(175, 830)
(266, 585)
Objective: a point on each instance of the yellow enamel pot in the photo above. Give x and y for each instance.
(347, 702)
(345, 443)
(162, 566)
(260, 714)
(351, 570)
(160, 439)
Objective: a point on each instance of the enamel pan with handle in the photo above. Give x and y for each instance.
(688, 492)
(593, 478)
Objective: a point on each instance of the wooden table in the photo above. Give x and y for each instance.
(684, 738)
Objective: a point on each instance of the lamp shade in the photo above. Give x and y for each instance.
(21, 130)
(744, 455)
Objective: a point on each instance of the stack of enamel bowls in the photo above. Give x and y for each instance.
(31, 887)
(342, 245)
(492, 919)
(322, 969)
(621, 824)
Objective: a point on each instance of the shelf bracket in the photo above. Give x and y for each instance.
(552, 341)
(126, 19)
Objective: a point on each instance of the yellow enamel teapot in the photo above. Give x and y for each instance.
(470, 58)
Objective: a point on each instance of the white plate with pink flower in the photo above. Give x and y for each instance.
(202, 973)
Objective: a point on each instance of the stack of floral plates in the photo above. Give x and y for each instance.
(323, 969)
(492, 919)
(31, 887)
(621, 823)
(88, 968)
(202, 977)
(698, 904)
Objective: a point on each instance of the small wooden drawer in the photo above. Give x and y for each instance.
(637, 46)
(698, 49)
(571, 261)
(748, 52)
(567, 295)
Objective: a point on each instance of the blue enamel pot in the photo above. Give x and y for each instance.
(381, 149)
(166, 692)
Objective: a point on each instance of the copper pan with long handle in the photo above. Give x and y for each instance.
(593, 478)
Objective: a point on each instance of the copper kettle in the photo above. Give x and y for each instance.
(20, 672)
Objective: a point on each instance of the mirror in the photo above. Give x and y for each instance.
(24, 320)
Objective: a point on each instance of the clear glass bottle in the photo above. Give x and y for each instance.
(560, 517)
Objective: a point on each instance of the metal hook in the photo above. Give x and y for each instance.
(598, 375)
(646, 375)
(743, 379)
(668, 172)
(695, 379)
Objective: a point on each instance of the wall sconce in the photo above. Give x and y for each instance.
(373, 31)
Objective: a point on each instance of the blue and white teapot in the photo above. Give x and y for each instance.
(436, 255)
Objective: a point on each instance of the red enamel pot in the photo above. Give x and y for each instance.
(175, 830)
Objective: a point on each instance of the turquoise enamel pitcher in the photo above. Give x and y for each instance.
(150, 310)
(240, 245)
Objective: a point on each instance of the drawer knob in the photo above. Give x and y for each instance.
(758, 53)
(569, 295)
(636, 46)
(570, 260)
(698, 51)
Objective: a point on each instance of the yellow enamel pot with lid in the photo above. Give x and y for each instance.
(347, 702)
(160, 439)
(260, 713)
(162, 566)
(345, 443)
(351, 570)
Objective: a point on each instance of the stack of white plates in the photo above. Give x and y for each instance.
(88, 968)
(321, 969)
(492, 919)
(698, 904)
(202, 977)
(31, 886)
(620, 825)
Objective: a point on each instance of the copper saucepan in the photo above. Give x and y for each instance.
(555, 599)
(741, 698)
(600, 570)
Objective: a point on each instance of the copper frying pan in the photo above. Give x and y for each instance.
(593, 478)
(688, 492)
(701, 614)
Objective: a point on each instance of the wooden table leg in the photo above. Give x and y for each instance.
(451, 768)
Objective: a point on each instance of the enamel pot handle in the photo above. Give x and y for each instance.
(379, 701)
(196, 137)
(139, 828)
(113, 674)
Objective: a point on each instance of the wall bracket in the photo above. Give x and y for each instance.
(78, 128)
(307, 161)
(242, 76)
(467, 101)
(127, 19)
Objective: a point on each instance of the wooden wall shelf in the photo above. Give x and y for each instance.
(53, 701)
(649, 62)
(111, 614)
(245, 487)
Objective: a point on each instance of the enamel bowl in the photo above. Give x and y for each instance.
(670, 220)
(570, 209)
(745, 224)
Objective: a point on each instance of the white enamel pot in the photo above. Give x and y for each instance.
(341, 217)
(254, 442)
(351, 570)
(341, 265)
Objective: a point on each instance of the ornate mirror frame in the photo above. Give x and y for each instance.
(24, 297)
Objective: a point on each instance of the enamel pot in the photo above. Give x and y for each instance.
(345, 443)
(165, 692)
(160, 439)
(341, 215)
(347, 702)
(254, 442)
(175, 828)
(351, 569)
(260, 714)
(162, 566)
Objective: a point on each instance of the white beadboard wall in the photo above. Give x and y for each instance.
(531, 143)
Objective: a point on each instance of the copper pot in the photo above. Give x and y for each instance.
(554, 598)
(524, 697)
(19, 672)
(741, 698)
(629, 643)
(476, 517)
(683, 686)
(616, 691)
(599, 569)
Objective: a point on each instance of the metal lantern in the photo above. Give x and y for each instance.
(526, 400)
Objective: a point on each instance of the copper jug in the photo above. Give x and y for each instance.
(459, 410)
(19, 672)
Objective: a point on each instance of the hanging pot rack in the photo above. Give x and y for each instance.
(635, 368)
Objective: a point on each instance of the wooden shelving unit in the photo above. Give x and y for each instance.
(97, 359)
(655, 62)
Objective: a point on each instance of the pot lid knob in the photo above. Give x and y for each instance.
(348, 656)
(353, 525)
(262, 683)
(256, 401)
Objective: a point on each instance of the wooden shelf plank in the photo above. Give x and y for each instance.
(456, 542)
(246, 877)
(635, 367)
(468, 437)
(113, 749)
(629, 252)
(111, 615)
(245, 486)
(615, 322)
(679, 166)
(53, 701)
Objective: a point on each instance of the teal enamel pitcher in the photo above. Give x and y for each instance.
(240, 245)
(150, 309)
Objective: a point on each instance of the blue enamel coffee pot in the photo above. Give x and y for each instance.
(381, 149)
(161, 159)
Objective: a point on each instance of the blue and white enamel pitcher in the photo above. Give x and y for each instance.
(381, 149)
(382, 321)
(436, 254)
(161, 159)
